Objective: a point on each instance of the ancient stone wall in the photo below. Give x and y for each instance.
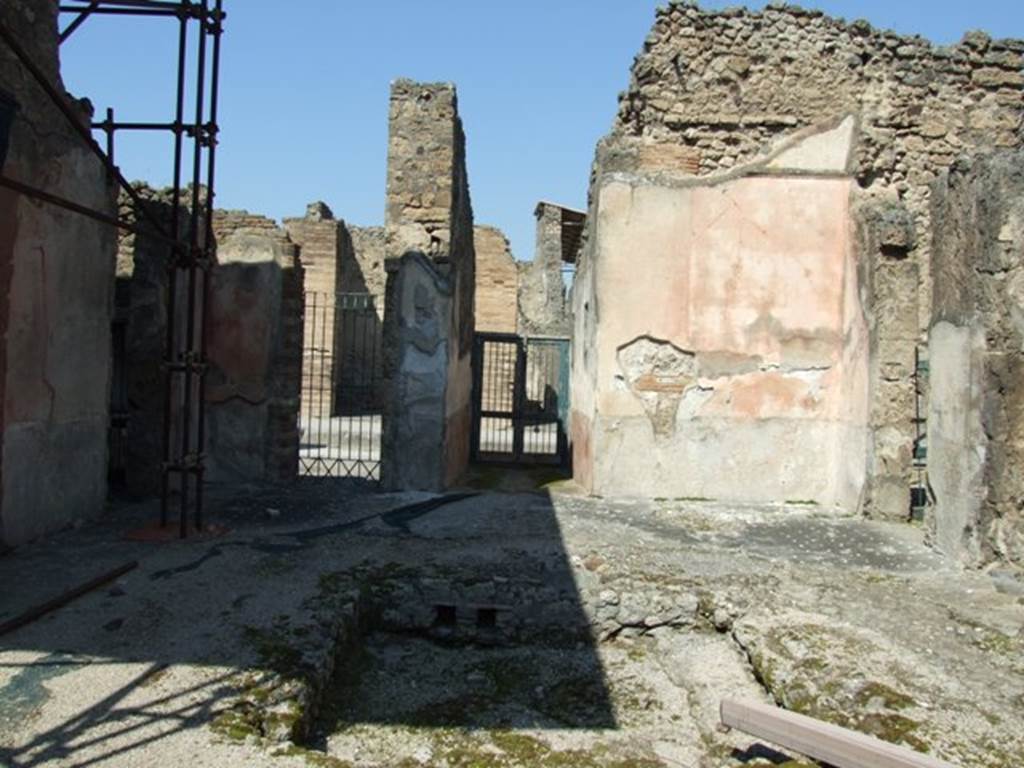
(56, 302)
(141, 313)
(497, 281)
(712, 91)
(545, 306)
(253, 337)
(318, 235)
(344, 274)
(428, 213)
(362, 264)
(976, 414)
(359, 326)
(254, 351)
(227, 222)
(740, 373)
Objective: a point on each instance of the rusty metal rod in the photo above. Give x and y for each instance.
(38, 611)
(216, 31)
(74, 120)
(172, 274)
(62, 202)
(191, 7)
(76, 23)
(190, 298)
(108, 125)
(119, 11)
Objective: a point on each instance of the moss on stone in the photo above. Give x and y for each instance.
(312, 757)
(238, 723)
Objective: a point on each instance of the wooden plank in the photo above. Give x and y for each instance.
(837, 746)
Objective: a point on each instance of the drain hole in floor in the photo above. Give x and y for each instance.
(444, 615)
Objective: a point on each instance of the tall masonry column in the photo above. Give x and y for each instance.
(428, 308)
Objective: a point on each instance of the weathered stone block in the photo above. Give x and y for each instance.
(429, 301)
(976, 416)
(253, 346)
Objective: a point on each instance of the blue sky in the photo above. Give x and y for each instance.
(305, 91)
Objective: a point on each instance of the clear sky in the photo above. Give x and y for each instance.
(305, 90)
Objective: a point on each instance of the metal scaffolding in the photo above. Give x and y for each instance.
(190, 235)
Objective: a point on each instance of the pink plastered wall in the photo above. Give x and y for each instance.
(755, 282)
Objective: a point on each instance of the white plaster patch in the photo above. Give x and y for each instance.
(826, 152)
(693, 400)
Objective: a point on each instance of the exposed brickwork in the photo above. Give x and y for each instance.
(142, 262)
(317, 235)
(282, 417)
(497, 281)
(340, 261)
(362, 264)
(724, 85)
(226, 223)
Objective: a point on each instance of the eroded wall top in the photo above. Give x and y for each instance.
(724, 84)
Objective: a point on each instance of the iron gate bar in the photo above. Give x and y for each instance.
(340, 380)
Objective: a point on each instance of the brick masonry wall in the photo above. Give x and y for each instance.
(141, 290)
(318, 236)
(226, 223)
(497, 281)
(339, 259)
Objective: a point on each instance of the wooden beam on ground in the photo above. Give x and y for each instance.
(831, 744)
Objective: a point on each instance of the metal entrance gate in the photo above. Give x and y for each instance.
(342, 397)
(520, 399)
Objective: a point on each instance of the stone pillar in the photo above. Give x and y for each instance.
(428, 320)
(254, 343)
(56, 302)
(320, 237)
(976, 353)
(886, 240)
(497, 281)
(544, 308)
